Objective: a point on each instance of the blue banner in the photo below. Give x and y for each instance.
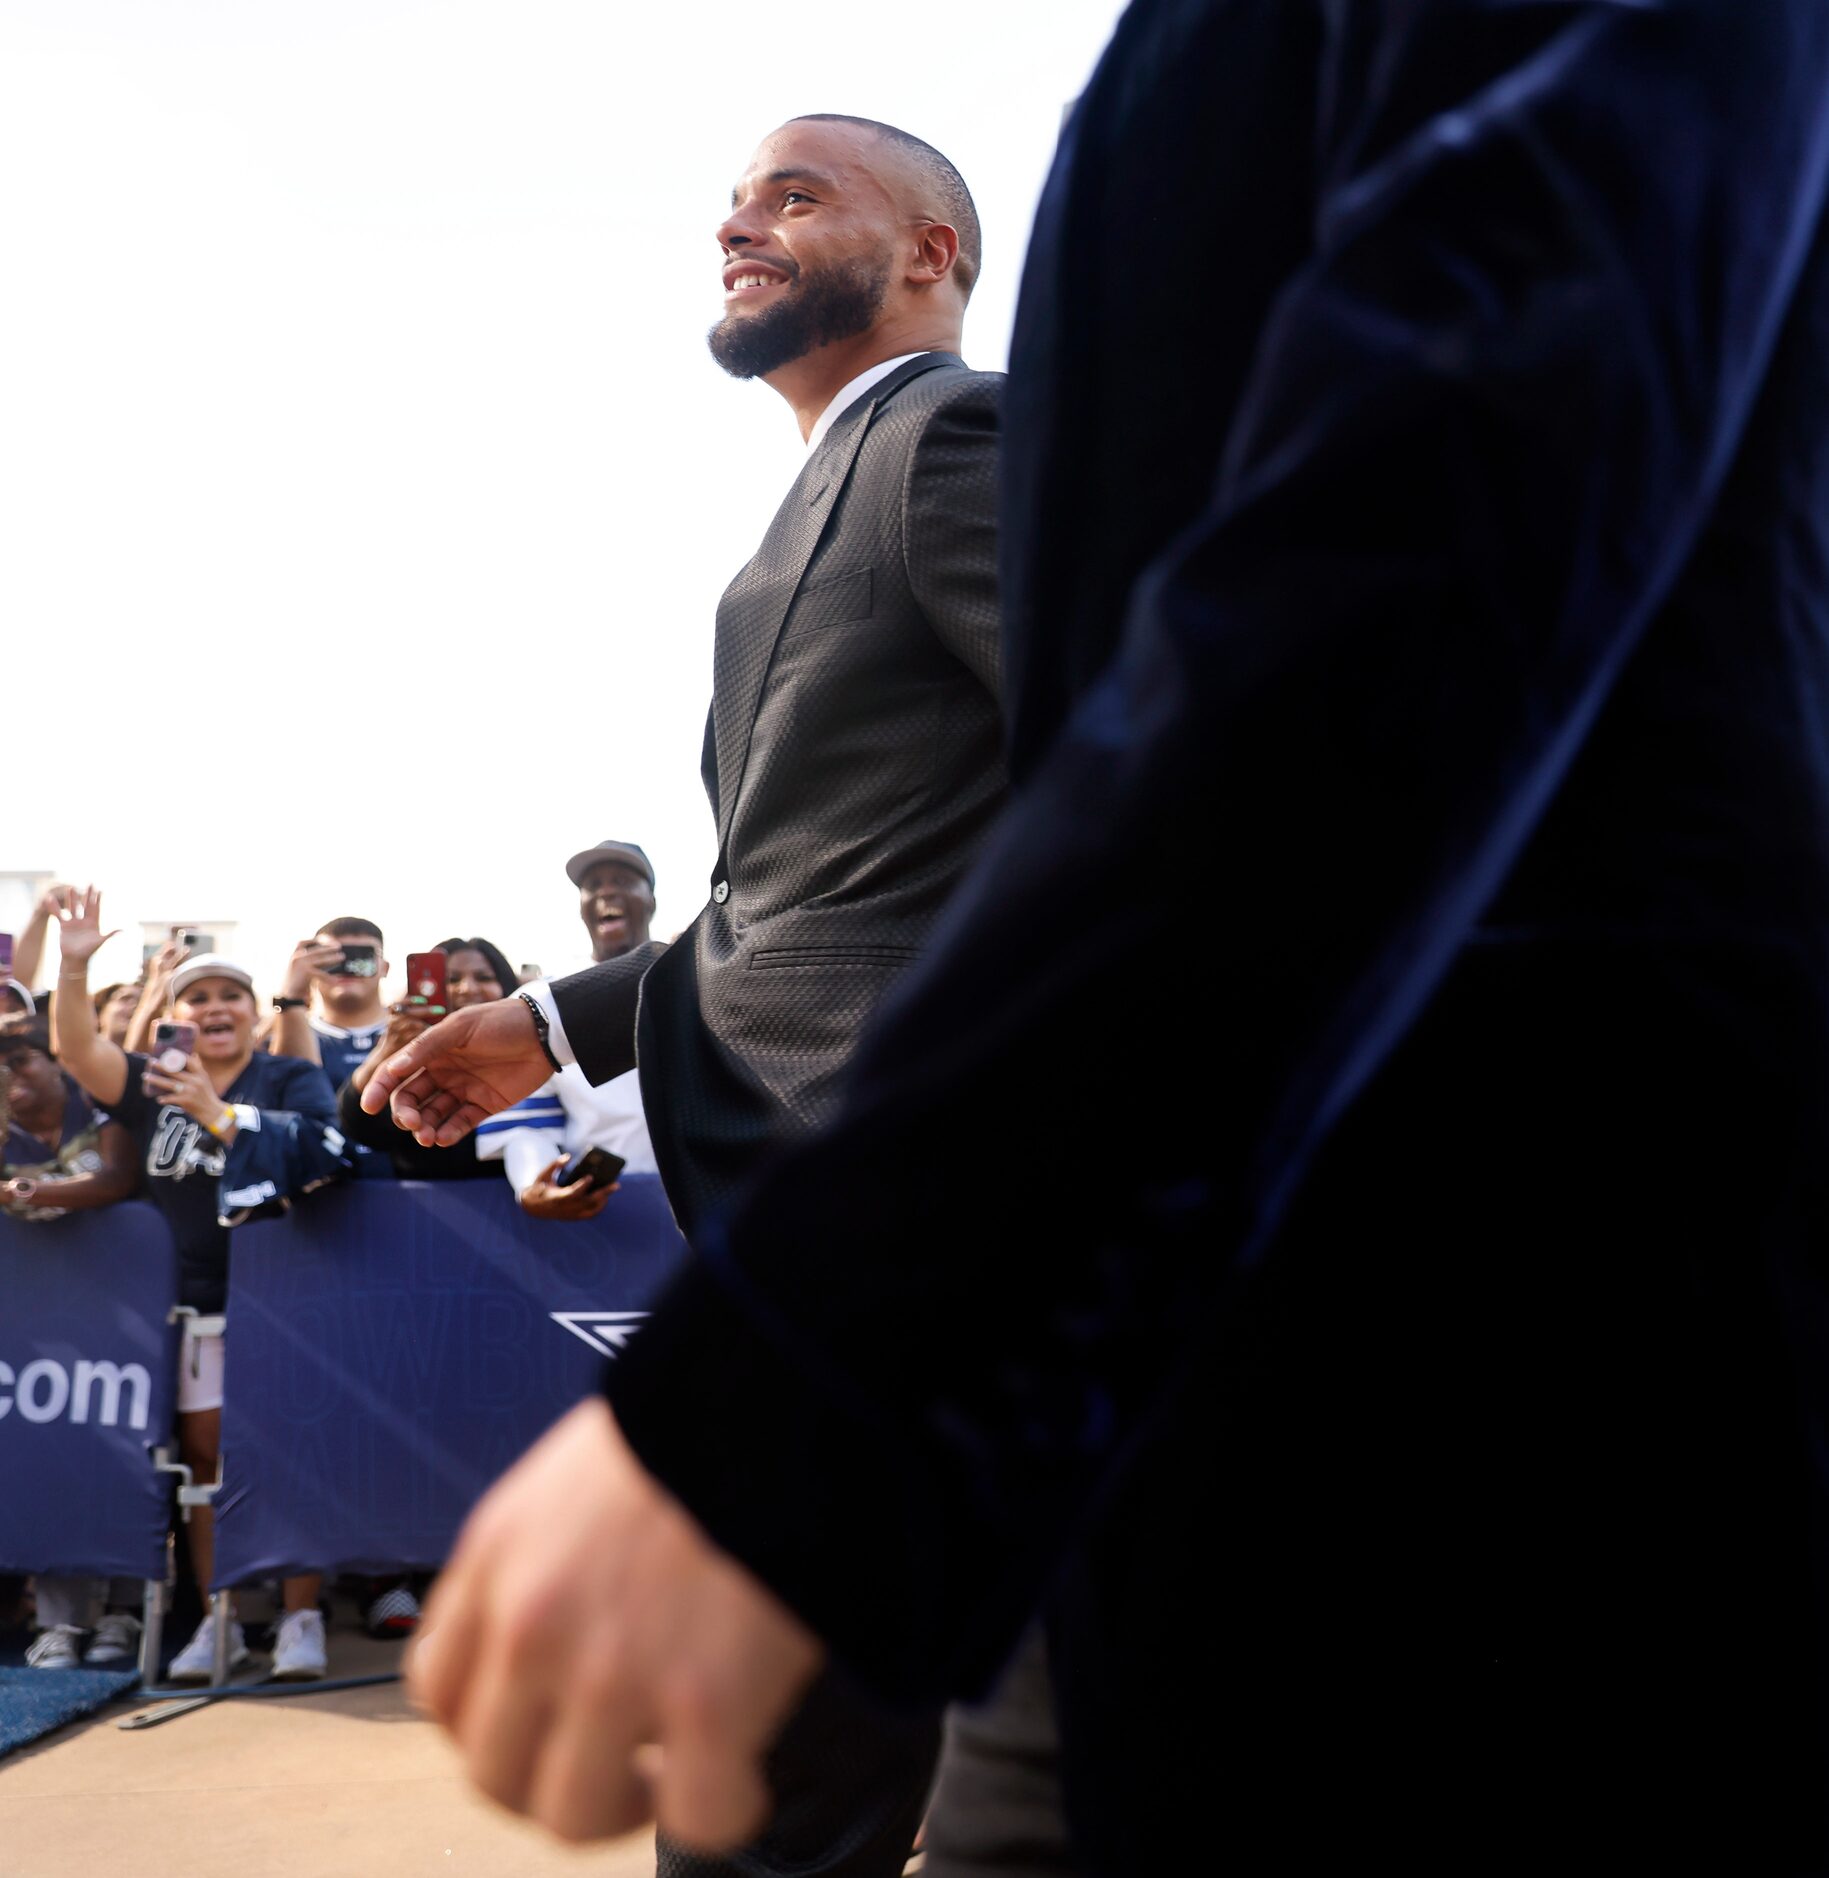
(392, 1348)
(88, 1371)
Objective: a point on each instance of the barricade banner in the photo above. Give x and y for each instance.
(88, 1371)
(392, 1348)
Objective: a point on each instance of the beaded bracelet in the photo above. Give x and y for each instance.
(542, 1029)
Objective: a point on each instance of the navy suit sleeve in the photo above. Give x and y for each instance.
(1553, 246)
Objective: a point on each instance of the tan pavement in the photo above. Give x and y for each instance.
(346, 1785)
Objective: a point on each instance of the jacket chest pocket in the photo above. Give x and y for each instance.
(828, 603)
(828, 958)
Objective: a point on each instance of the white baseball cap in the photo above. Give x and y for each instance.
(209, 965)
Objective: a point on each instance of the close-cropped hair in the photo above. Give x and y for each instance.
(951, 196)
(350, 927)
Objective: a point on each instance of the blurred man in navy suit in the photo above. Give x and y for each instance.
(1408, 1407)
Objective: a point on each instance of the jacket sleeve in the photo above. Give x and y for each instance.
(283, 1149)
(949, 525)
(597, 1007)
(1553, 249)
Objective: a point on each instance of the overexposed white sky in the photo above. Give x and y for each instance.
(366, 489)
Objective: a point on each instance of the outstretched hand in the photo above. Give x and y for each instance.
(472, 1065)
(79, 922)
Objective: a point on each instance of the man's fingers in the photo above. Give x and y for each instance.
(392, 1074)
(433, 1103)
(442, 1657)
(588, 1783)
(504, 1725)
(457, 1125)
(710, 1794)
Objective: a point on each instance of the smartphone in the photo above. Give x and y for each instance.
(6, 955)
(425, 977)
(197, 941)
(361, 959)
(600, 1167)
(173, 1045)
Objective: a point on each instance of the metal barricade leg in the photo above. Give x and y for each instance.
(222, 1614)
(152, 1630)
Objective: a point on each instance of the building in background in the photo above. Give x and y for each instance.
(20, 890)
(212, 935)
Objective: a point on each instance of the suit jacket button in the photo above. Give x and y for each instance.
(721, 892)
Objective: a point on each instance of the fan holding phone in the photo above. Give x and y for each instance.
(564, 1146)
(452, 976)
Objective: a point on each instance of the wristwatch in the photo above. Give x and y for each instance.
(290, 1004)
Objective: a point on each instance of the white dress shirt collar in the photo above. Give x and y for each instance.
(850, 395)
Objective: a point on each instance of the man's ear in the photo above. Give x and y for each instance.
(936, 251)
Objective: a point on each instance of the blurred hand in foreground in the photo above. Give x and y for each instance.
(598, 1661)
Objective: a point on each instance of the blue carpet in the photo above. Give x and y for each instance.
(34, 1701)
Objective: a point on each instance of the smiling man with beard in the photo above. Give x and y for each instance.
(853, 761)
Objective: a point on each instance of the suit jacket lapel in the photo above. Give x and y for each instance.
(757, 601)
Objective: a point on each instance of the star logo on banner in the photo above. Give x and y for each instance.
(607, 1332)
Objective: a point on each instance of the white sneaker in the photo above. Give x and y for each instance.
(116, 1640)
(298, 1649)
(194, 1662)
(56, 1648)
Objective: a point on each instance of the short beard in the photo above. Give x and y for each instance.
(816, 308)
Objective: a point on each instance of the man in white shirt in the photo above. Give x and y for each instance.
(568, 1115)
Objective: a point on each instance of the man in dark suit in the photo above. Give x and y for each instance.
(1411, 1409)
(853, 759)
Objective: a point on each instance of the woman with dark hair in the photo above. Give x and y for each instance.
(476, 972)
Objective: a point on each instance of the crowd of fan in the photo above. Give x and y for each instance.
(106, 1096)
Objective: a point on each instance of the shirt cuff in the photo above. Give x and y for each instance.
(541, 991)
(527, 1153)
